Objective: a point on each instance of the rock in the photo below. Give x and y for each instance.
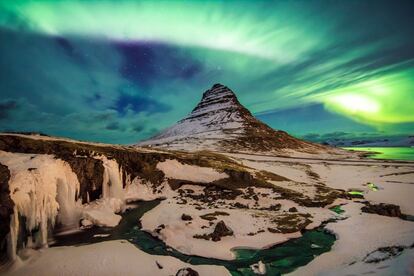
(384, 253)
(259, 268)
(86, 223)
(239, 205)
(159, 228)
(186, 272)
(382, 209)
(90, 173)
(275, 207)
(159, 265)
(202, 237)
(293, 210)
(186, 217)
(213, 216)
(221, 230)
(6, 208)
(273, 230)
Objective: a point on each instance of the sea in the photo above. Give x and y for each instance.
(392, 153)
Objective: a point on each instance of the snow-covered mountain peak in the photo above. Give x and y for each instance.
(217, 99)
(220, 122)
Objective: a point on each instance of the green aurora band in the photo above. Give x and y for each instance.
(277, 55)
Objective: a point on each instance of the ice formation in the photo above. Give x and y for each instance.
(45, 190)
(39, 186)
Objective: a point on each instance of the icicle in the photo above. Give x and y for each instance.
(35, 180)
(13, 234)
(112, 180)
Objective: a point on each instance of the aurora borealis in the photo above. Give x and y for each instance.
(119, 71)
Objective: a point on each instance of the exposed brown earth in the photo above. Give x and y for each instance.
(382, 209)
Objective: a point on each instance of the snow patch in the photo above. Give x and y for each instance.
(174, 169)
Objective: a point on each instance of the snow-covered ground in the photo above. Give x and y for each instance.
(358, 236)
(117, 257)
(361, 233)
(176, 170)
(44, 189)
(179, 234)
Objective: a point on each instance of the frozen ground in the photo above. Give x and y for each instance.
(360, 234)
(117, 257)
(258, 216)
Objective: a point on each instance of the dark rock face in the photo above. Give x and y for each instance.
(213, 216)
(186, 217)
(384, 253)
(289, 223)
(221, 230)
(293, 210)
(383, 209)
(6, 209)
(275, 207)
(88, 169)
(186, 272)
(90, 175)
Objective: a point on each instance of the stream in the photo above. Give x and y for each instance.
(280, 259)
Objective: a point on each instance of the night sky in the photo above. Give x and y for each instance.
(120, 71)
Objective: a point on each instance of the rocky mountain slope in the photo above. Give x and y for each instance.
(219, 122)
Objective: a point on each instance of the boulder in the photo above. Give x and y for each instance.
(221, 230)
(186, 217)
(293, 210)
(382, 209)
(186, 272)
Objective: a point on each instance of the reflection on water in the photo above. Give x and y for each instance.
(393, 153)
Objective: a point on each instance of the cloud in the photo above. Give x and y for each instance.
(6, 106)
(138, 103)
(113, 126)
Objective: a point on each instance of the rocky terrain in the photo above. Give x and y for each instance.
(238, 185)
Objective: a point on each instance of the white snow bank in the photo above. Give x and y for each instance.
(174, 169)
(102, 212)
(399, 265)
(358, 236)
(394, 188)
(179, 234)
(107, 258)
(137, 190)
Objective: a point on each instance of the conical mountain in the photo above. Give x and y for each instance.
(219, 122)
